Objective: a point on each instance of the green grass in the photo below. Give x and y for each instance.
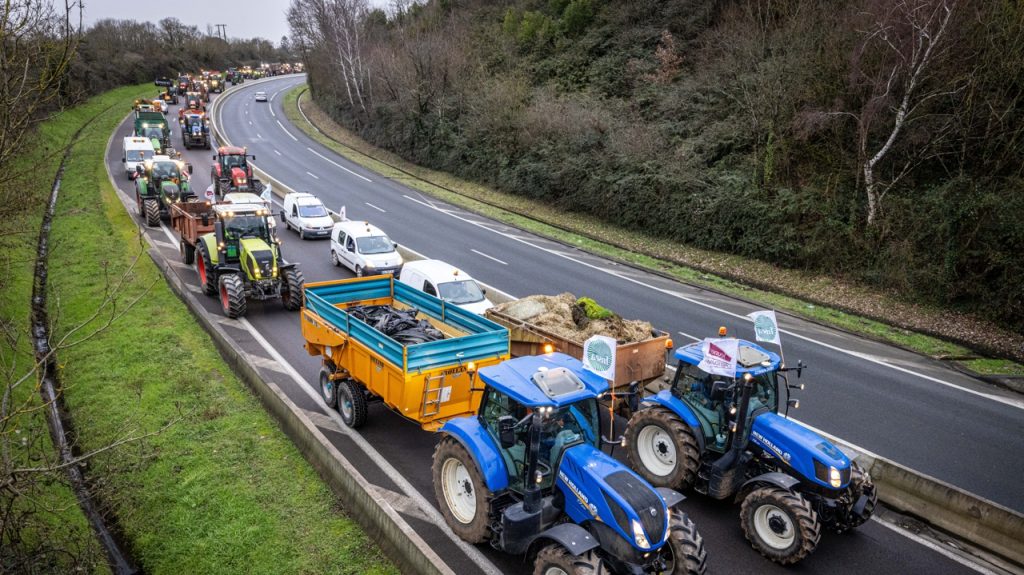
(613, 238)
(222, 489)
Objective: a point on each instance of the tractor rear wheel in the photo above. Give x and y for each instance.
(328, 388)
(188, 253)
(151, 207)
(204, 269)
(232, 295)
(351, 403)
(780, 524)
(686, 546)
(291, 295)
(556, 560)
(461, 492)
(662, 448)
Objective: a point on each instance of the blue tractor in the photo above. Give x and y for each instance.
(725, 438)
(527, 474)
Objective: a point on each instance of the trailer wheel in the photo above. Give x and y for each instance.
(351, 403)
(328, 389)
(232, 295)
(291, 295)
(188, 253)
(204, 269)
(686, 547)
(556, 560)
(780, 524)
(460, 491)
(662, 448)
(151, 207)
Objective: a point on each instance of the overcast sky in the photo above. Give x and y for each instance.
(245, 18)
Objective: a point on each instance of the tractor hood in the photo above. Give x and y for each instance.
(238, 177)
(170, 190)
(258, 258)
(600, 488)
(809, 454)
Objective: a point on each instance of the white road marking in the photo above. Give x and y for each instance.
(258, 136)
(689, 336)
(934, 547)
(1018, 404)
(286, 131)
(435, 516)
(250, 122)
(276, 152)
(272, 111)
(314, 175)
(488, 257)
(337, 164)
(381, 210)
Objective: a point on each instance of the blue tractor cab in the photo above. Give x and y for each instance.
(528, 475)
(724, 437)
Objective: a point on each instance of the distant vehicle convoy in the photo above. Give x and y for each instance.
(523, 424)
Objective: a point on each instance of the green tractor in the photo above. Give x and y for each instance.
(159, 183)
(241, 259)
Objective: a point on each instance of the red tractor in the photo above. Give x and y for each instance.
(195, 101)
(231, 172)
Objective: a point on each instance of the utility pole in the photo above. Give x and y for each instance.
(222, 31)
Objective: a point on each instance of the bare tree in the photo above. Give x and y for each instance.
(37, 45)
(336, 25)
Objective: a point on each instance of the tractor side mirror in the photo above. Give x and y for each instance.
(215, 156)
(800, 365)
(793, 403)
(718, 390)
(189, 168)
(253, 158)
(138, 170)
(394, 245)
(507, 431)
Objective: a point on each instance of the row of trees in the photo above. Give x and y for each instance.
(877, 140)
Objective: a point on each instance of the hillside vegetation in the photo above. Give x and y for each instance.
(873, 140)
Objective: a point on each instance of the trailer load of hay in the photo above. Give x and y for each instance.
(576, 319)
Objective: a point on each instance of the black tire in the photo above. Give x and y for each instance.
(291, 294)
(863, 485)
(689, 557)
(666, 443)
(351, 403)
(775, 512)
(232, 296)
(328, 388)
(555, 558)
(188, 253)
(151, 209)
(204, 269)
(477, 529)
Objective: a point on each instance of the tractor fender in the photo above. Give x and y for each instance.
(780, 480)
(665, 399)
(211, 246)
(574, 538)
(283, 266)
(225, 269)
(471, 434)
(671, 496)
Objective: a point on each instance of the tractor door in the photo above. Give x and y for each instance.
(695, 389)
(496, 405)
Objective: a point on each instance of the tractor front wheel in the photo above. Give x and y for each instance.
(556, 560)
(328, 388)
(686, 546)
(188, 253)
(780, 524)
(204, 269)
(291, 295)
(351, 403)
(662, 448)
(151, 207)
(232, 296)
(461, 492)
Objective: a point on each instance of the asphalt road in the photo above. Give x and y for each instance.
(953, 434)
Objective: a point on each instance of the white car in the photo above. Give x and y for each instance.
(306, 214)
(261, 96)
(447, 282)
(363, 248)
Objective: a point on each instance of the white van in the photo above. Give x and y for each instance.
(447, 282)
(306, 214)
(363, 248)
(134, 152)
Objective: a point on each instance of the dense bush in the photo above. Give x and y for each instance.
(749, 127)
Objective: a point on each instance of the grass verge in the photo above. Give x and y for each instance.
(660, 256)
(222, 490)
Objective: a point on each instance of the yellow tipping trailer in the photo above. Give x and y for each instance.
(427, 382)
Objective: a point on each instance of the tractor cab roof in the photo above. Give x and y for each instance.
(230, 151)
(230, 210)
(753, 359)
(552, 379)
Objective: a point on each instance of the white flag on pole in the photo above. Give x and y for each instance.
(599, 356)
(766, 327)
(720, 356)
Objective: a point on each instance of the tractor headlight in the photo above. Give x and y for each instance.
(638, 535)
(256, 272)
(834, 479)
